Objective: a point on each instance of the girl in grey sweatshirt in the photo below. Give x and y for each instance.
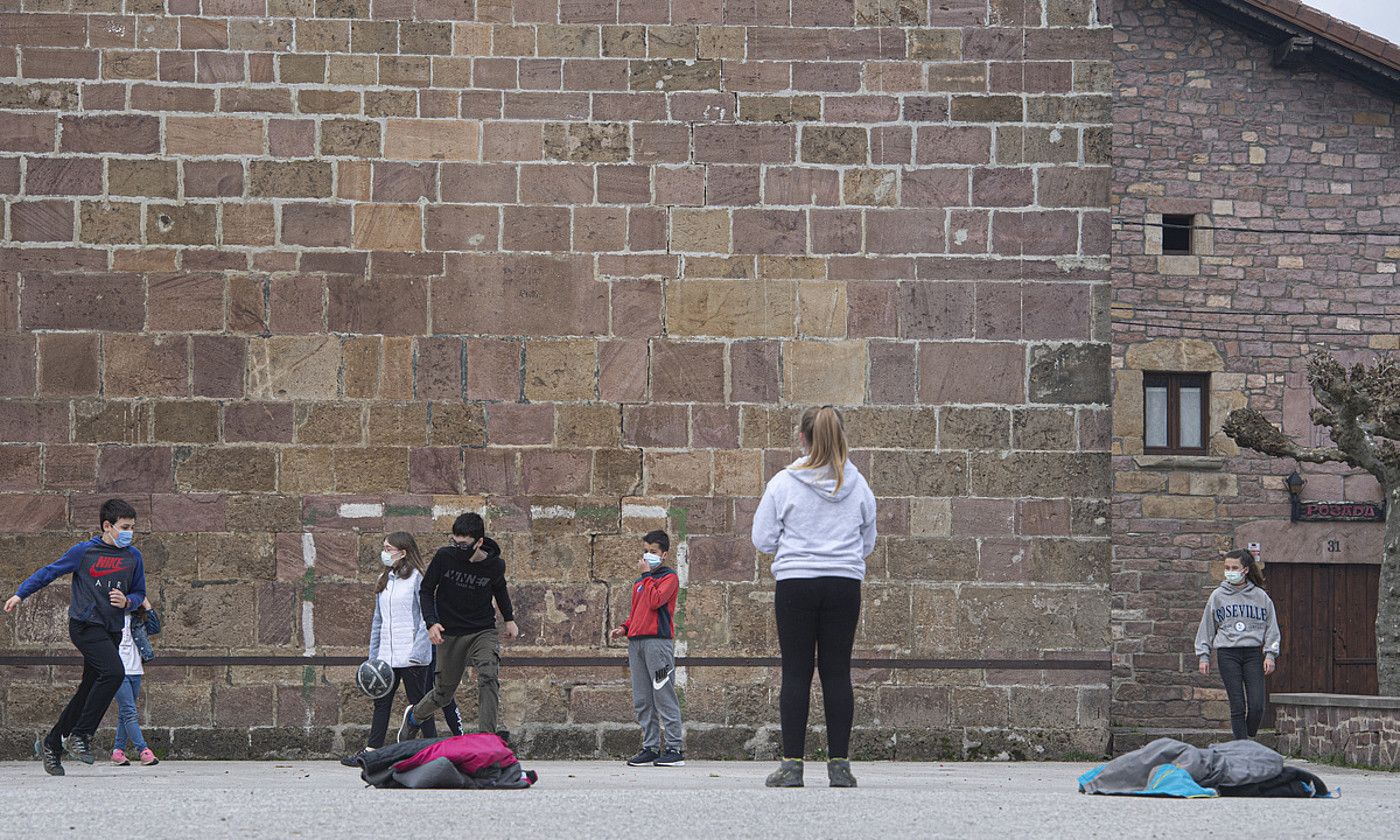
(1241, 624)
(817, 519)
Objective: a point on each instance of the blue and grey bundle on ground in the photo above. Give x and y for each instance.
(1167, 767)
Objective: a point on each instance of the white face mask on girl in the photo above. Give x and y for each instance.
(387, 558)
(1234, 576)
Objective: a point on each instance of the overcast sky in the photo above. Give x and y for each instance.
(1380, 17)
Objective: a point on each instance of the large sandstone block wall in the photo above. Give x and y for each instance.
(291, 274)
(1204, 124)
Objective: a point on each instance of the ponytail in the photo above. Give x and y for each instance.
(826, 439)
(1252, 567)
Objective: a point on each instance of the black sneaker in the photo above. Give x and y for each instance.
(51, 756)
(407, 731)
(643, 758)
(80, 747)
(670, 758)
(788, 774)
(838, 771)
(352, 760)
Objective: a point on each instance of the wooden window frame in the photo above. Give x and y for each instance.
(1173, 382)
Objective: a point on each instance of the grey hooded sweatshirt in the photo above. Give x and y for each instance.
(1238, 616)
(813, 529)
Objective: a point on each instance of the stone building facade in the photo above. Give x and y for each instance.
(1209, 127)
(290, 274)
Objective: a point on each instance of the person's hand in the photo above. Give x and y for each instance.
(512, 630)
(1205, 667)
(618, 633)
(118, 598)
(147, 604)
(435, 634)
(1268, 665)
(13, 604)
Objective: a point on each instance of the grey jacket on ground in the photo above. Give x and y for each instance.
(1238, 616)
(1229, 764)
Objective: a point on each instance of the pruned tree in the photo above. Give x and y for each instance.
(1360, 407)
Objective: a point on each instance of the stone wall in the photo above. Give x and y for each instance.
(1205, 125)
(1337, 727)
(290, 274)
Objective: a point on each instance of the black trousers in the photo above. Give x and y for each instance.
(1242, 670)
(416, 680)
(103, 673)
(817, 620)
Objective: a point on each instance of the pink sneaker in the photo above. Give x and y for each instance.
(119, 758)
(148, 758)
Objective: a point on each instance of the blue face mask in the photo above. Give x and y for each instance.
(124, 538)
(653, 560)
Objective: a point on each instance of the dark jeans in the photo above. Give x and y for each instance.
(102, 676)
(1242, 669)
(817, 620)
(416, 681)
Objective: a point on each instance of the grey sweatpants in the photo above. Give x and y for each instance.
(482, 651)
(652, 661)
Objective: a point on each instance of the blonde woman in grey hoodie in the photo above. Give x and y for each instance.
(817, 519)
(1241, 624)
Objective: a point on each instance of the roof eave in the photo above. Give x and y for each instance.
(1326, 54)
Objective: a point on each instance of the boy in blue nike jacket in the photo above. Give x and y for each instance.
(109, 581)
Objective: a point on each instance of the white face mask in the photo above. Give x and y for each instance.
(387, 558)
(1234, 577)
(653, 560)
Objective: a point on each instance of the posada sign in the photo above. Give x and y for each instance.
(1320, 511)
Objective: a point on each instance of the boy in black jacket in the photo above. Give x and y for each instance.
(109, 581)
(462, 581)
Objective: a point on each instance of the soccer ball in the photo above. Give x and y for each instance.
(375, 678)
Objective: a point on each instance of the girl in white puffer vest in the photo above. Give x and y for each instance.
(398, 635)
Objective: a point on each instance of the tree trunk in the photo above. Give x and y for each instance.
(1388, 601)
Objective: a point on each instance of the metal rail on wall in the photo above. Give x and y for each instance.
(1102, 663)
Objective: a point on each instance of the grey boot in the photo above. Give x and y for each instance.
(838, 770)
(788, 774)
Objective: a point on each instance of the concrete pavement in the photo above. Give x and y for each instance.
(711, 800)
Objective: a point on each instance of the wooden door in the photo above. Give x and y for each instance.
(1327, 617)
(1354, 602)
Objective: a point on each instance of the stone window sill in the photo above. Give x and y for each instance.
(1179, 462)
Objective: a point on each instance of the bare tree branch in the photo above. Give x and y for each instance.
(1349, 410)
(1249, 429)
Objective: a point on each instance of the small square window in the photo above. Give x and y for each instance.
(1175, 413)
(1176, 233)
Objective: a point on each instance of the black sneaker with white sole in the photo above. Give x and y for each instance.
(80, 747)
(643, 758)
(407, 730)
(670, 758)
(51, 756)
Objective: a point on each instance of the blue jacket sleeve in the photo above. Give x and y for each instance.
(374, 630)
(137, 595)
(422, 652)
(152, 623)
(65, 565)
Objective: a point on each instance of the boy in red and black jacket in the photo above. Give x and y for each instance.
(650, 629)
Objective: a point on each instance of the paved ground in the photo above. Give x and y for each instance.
(712, 800)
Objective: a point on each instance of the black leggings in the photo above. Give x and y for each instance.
(1242, 669)
(817, 620)
(416, 681)
(103, 673)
